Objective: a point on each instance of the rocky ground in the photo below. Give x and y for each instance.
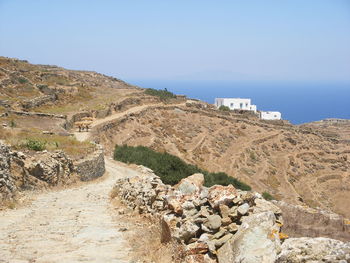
(222, 223)
(68, 225)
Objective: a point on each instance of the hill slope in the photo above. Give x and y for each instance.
(298, 164)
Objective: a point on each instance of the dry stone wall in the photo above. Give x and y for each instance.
(217, 224)
(92, 166)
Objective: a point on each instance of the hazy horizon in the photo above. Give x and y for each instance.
(269, 41)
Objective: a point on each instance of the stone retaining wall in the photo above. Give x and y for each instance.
(92, 166)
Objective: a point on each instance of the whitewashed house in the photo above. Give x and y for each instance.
(235, 104)
(270, 115)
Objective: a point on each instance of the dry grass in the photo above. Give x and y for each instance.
(144, 238)
(18, 139)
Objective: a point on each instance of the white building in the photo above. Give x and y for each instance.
(235, 104)
(270, 115)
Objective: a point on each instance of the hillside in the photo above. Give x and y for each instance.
(298, 164)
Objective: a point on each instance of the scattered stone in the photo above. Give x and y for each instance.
(319, 249)
(213, 222)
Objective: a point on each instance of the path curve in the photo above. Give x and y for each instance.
(83, 136)
(70, 225)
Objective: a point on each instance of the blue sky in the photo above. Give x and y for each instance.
(270, 40)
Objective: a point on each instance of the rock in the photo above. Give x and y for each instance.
(219, 194)
(233, 228)
(168, 227)
(256, 241)
(188, 230)
(261, 205)
(174, 204)
(220, 233)
(224, 210)
(205, 237)
(223, 240)
(319, 249)
(190, 185)
(243, 209)
(226, 221)
(200, 258)
(196, 248)
(213, 222)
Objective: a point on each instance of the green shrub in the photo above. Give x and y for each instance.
(22, 80)
(12, 124)
(162, 94)
(35, 145)
(267, 196)
(170, 168)
(224, 108)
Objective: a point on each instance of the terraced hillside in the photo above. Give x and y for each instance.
(295, 164)
(300, 164)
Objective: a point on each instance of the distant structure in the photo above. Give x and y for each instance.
(235, 104)
(245, 104)
(270, 115)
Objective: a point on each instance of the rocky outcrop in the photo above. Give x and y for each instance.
(221, 224)
(19, 171)
(300, 221)
(257, 241)
(295, 250)
(28, 171)
(92, 166)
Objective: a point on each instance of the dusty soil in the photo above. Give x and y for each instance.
(69, 225)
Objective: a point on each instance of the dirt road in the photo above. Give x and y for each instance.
(70, 225)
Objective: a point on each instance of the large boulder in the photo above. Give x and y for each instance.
(306, 249)
(256, 241)
(191, 185)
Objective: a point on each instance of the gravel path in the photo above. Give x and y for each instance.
(70, 225)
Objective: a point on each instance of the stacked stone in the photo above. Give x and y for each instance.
(202, 219)
(222, 223)
(8, 187)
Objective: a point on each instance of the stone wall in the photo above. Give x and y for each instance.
(92, 166)
(221, 224)
(19, 171)
(38, 101)
(305, 221)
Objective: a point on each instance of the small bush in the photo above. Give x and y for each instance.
(162, 94)
(170, 168)
(12, 124)
(224, 108)
(35, 145)
(22, 80)
(267, 196)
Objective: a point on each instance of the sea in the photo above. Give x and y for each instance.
(298, 103)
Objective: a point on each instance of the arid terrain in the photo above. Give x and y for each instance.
(307, 164)
(42, 147)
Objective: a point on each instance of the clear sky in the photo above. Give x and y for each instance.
(268, 40)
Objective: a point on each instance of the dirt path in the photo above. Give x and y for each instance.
(82, 136)
(70, 225)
